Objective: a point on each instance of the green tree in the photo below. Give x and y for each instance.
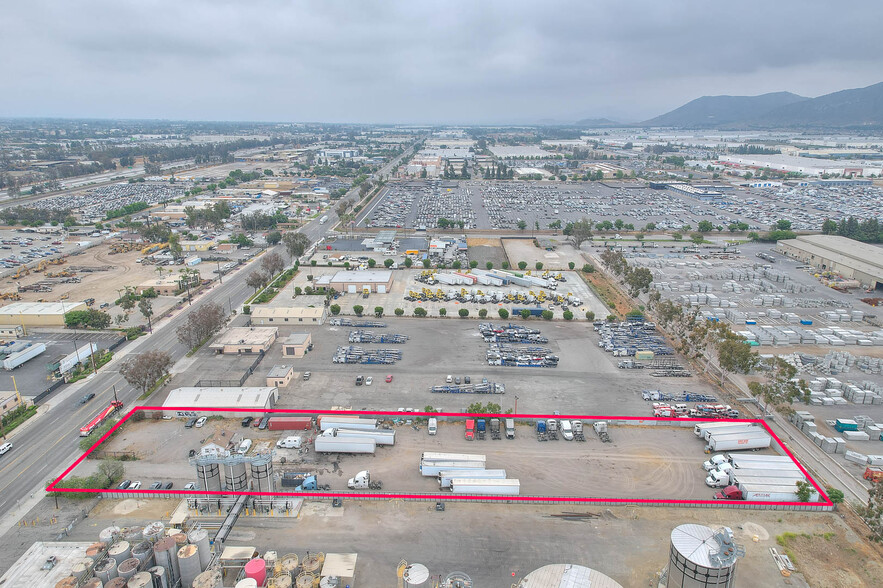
(505, 265)
(525, 313)
(677, 236)
(358, 309)
(388, 263)
(442, 312)
(274, 238)
(426, 263)
(482, 313)
(463, 313)
(829, 227)
(372, 262)
(705, 226)
(473, 264)
(146, 309)
(489, 265)
(335, 309)
(539, 265)
(378, 311)
(697, 238)
(504, 314)
(568, 316)
(522, 265)
(522, 225)
(419, 311)
(590, 316)
(571, 265)
(399, 311)
(456, 265)
(804, 491)
(408, 262)
(547, 314)
(588, 268)
(782, 225)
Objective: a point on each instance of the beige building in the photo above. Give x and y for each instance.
(297, 345)
(38, 314)
(847, 257)
(11, 332)
(162, 286)
(353, 282)
(245, 340)
(280, 376)
(197, 245)
(276, 316)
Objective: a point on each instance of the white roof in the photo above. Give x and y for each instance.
(342, 565)
(567, 576)
(363, 276)
(222, 397)
(31, 308)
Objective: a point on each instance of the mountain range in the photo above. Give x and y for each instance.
(855, 108)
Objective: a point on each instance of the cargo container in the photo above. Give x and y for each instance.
(699, 429)
(841, 425)
(739, 441)
(342, 422)
(485, 486)
(760, 493)
(434, 468)
(344, 445)
(771, 480)
(538, 311)
(380, 436)
(427, 456)
(290, 423)
(763, 472)
(736, 429)
(16, 359)
(445, 477)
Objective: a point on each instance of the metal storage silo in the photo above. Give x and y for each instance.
(289, 564)
(108, 534)
(154, 531)
(209, 476)
(209, 579)
(117, 583)
(701, 557)
(94, 550)
(280, 581)
(80, 567)
(128, 568)
(306, 580)
(199, 537)
(69, 582)
(256, 569)
(247, 583)
(133, 534)
(120, 551)
(106, 570)
(93, 583)
(262, 474)
(160, 577)
(188, 562)
(143, 552)
(235, 478)
(165, 551)
(312, 563)
(140, 580)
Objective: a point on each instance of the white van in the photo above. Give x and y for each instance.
(244, 446)
(5, 447)
(293, 442)
(566, 430)
(433, 426)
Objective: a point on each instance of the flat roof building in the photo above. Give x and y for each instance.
(352, 282)
(290, 315)
(245, 340)
(38, 314)
(847, 257)
(297, 345)
(162, 286)
(246, 398)
(280, 376)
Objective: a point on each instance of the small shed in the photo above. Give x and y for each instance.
(297, 345)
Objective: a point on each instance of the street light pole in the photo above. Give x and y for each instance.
(516, 404)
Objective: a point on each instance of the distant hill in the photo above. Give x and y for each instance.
(716, 111)
(859, 107)
(594, 123)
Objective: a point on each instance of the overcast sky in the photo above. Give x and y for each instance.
(473, 61)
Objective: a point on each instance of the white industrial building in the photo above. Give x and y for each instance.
(352, 282)
(194, 399)
(803, 165)
(847, 257)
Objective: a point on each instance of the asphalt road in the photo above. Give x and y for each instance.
(50, 443)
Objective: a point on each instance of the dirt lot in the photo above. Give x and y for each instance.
(524, 250)
(640, 462)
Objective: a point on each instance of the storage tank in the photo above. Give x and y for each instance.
(120, 551)
(165, 552)
(133, 534)
(117, 583)
(235, 478)
(160, 577)
(199, 537)
(140, 580)
(81, 566)
(257, 570)
(188, 563)
(312, 563)
(93, 583)
(701, 557)
(106, 570)
(289, 564)
(280, 581)
(209, 477)
(561, 575)
(143, 552)
(108, 534)
(69, 582)
(246, 583)
(209, 579)
(262, 475)
(179, 538)
(128, 568)
(330, 582)
(306, 580)
(154, 531)
(94, 550)
(272, 562)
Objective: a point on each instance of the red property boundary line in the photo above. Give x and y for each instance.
(826, 501)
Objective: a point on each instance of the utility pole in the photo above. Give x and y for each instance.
(220, 275)
(115, 399)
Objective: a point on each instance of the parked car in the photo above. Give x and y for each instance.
(359, 380)
(168, 485)
(190, 486)
(369, 380)
(189, 424)
(136, 485)
(265, 422)
(244, 446)
(87, 398)
(307, 376)
(388, 379)
(5, 447)
(156, 486)
(200, 422)
(467, 380)
(247, 421)
(191, 453)
(124, 484)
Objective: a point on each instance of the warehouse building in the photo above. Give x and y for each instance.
(353, 282)
(245, 340)
(280, 376)
(297, 345)
(168, 286)
(38, 314)
(274, 316)
(192, 399)
(847, 257)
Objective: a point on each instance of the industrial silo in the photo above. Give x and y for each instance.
(143, 552)
(81, 566)
(128, 568)
(160, 577)
(133, 534)
(289, 564)
(120, 551)
(199, 537)
(154, 531)
(306, 580)
(93, 583)
(235, 478)
(69, 582)
(280, 581)
(188, 562)
(262, 474)
(565, 575)
(95, 550)
(106, 570)
(107, 535)
(209, 477)
(165, 551)
(117, 583)
(247, 583)
(140, 580)
(209, 579)
(701, 557)
(257, 569)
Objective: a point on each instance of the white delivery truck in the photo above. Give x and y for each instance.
(436, 467)
(510, 487)
(566, 430)
(701, 428)
(344, 445)
(432, 427)
(445, 477)
(381, 437)
(739, 441)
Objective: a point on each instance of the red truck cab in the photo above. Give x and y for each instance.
(729, 493)
(470, 429)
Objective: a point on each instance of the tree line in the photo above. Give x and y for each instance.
(866, 231)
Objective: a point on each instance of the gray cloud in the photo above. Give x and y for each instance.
(397, 60)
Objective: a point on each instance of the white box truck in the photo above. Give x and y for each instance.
(445, 477)
(432, 427)
(566, 430)
(344, 445)
(700, 428)
(484, 486)
(434, 468)
(739, 442)
(342, 422)
(381, 437)
(743, 459)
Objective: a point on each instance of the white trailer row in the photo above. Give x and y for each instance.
(18, 358)
(380, 436)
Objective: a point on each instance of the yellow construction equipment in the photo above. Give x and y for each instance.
(559, 277)
(22, 271)
(10, 296)
(41, 266)
(65, 273)
(65, 296)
